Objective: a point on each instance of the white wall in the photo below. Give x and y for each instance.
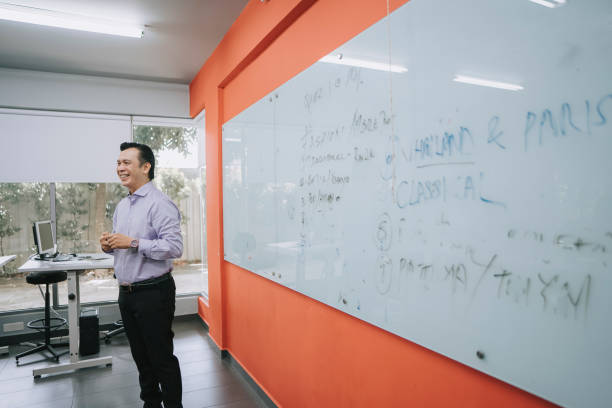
(80, 93)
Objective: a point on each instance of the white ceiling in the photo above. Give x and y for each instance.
(179, 36)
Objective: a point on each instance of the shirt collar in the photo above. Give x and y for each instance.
(143, 190)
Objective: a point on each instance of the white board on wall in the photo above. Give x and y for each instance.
(469, 219)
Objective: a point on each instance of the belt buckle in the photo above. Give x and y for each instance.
(128, 287)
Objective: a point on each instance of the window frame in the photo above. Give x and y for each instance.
(199, 123)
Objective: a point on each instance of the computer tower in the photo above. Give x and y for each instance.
(88, 332)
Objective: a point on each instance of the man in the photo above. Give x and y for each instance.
(146, 237)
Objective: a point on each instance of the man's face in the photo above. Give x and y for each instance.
(131, 174)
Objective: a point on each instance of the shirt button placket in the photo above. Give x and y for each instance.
(127, 229)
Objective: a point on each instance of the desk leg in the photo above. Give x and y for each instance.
(74, 306)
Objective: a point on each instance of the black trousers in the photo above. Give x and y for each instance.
(147, 314)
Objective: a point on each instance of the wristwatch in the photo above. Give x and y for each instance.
(134, 243)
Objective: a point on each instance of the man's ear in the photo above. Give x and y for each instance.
(146, 167)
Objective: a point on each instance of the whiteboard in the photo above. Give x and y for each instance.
(472, 220)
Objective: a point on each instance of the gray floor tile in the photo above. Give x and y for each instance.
(109, 383)
(196, 355)
(239, 404)
(110, 399)
(207, 380)
(209, 397)
(37, 396)
(214, 379)
(26, 364)
(29, 383)
(202, 367)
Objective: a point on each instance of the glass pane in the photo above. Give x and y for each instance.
(83, 212)
(178, 175)
(20, 205)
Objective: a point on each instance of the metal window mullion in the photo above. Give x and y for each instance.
(52, 215)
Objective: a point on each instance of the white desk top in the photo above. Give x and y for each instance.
(80, 262)
(6, 259)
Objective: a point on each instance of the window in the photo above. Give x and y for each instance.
(20, 204)
(178, 173)
(53, 147)
(85, 210)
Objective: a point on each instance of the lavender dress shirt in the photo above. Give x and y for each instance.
(151, 217)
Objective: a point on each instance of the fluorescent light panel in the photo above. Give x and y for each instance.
(486, 82)
(69, 21)
(354, 62)
(549, 3)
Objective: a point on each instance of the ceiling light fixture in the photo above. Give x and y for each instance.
(354, 62)
(69, 21)
(486, 82)
(549, 3)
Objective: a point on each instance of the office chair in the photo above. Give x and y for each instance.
(47, 323)
(120, 329)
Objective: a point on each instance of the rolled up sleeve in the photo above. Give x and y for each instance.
(166, 221)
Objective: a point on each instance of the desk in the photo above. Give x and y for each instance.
(73, 268)
(6, 259)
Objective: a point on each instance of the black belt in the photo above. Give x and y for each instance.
(145, 284)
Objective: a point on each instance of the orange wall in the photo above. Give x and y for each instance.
(302, 352)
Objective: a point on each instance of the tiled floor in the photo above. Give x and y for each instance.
(208, 381)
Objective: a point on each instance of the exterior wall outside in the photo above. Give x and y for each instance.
(300, 351)
(79, 93)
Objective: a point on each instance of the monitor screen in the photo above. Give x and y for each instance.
(43, 237)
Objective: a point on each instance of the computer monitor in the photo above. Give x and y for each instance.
(44, 240)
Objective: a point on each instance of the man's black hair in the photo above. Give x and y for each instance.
(145, 156)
